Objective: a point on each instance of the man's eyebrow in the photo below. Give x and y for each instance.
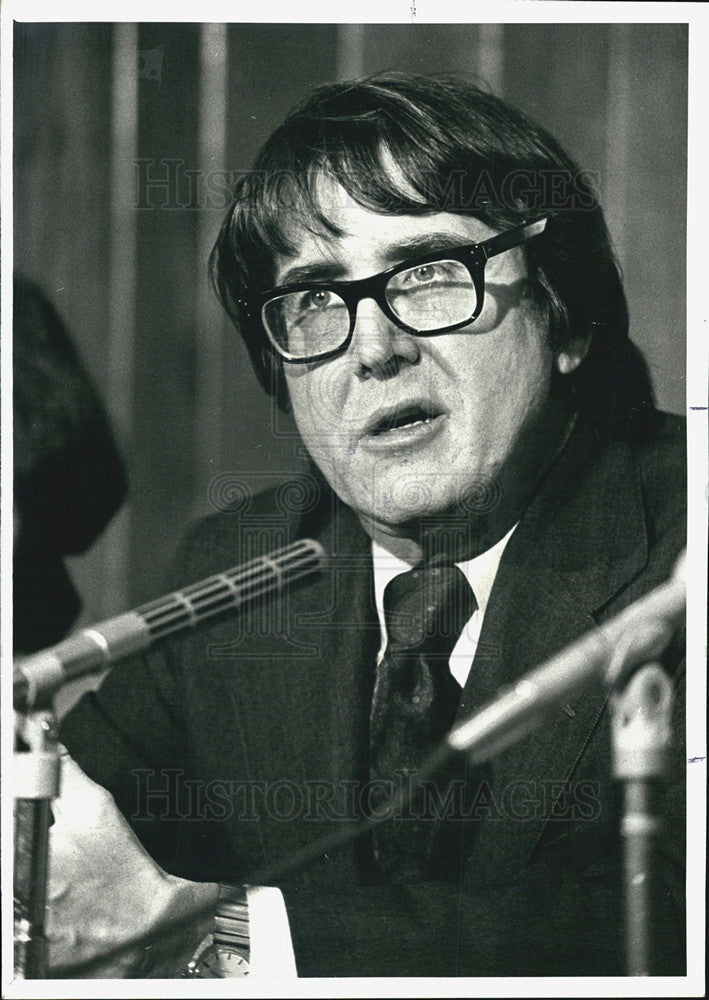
(409, 246)
(423, 243)
(320, 271)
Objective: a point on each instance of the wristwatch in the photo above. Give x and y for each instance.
(224, 954)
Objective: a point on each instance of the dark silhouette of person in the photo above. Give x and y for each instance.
(69, 478)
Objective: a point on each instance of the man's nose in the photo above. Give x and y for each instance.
(379, 347)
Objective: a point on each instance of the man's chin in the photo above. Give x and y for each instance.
(458, 519)
(422, 514)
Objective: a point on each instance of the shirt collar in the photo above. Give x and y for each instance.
(480, 572)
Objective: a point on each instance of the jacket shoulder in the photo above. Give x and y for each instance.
(662, 463)
(248, 524)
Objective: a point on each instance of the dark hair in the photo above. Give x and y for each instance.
(460, 150)
(69, 479)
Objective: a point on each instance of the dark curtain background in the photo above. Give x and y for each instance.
(126, 137)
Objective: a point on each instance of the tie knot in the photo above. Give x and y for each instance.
(428, 607)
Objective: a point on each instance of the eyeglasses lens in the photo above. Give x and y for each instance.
(425, 298)
(307, 323)
(432, 296)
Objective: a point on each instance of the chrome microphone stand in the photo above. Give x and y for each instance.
(36, 784)
(39, 675)
(619, 656)
(640, 739)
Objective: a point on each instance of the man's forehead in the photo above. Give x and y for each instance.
(351, 224)
(337, 205)
(331, 202)
(328, 190)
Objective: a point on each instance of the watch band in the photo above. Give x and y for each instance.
(231, 918)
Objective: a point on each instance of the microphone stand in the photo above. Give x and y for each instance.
(36, 784)
(38, 676)
(640, 741)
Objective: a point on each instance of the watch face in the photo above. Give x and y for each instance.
(219, 961)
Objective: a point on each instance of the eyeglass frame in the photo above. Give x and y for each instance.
(474, 256)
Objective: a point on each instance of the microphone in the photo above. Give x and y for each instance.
(605, 656)
(37, 676)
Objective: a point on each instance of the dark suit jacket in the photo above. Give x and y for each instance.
(246, 741)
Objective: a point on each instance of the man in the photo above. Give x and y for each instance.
(425, 279)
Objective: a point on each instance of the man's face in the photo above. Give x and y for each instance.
(464, 402)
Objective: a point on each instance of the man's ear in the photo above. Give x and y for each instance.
(568, 359)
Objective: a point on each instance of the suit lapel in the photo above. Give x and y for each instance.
(342, 621)
(579, 544)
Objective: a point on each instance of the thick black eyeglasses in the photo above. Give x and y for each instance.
(430, 293)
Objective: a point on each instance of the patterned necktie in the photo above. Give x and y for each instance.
(413, 707)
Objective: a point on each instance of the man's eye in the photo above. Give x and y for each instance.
(318, 298)
(426, 273)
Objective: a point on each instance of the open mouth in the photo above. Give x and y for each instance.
(402, 418)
